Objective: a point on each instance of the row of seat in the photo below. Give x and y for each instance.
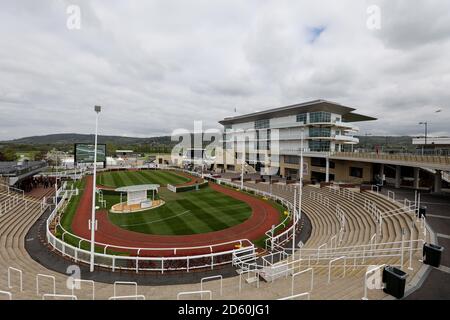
(359, 228)
(359, 225)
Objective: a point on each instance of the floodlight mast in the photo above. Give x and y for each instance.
(297, 216)
(97, 110)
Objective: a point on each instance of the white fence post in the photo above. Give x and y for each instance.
(211, 278)
(299, 273)
(10, 286)
(125, 283)
(329, 266)
(64, 296)
(188, 293)
(80, 281)
(306, 294)
(6, 293)
(39, 275)
(136, 297)
(365, 279)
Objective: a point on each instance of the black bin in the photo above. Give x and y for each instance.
(422, 212)
(432, 254)
(395, 281)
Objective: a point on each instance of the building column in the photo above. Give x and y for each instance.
(438, 181)
(382, 173)
(398, 176)
(416, 184)
(327, 170)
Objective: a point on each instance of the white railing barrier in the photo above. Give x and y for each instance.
(7, 294)
(288, 232)
(159, 262)
(333, 239)
(189, 293)
(125, 283)
(301, 295)
(370, 271)
(391, 196)
(300, 273)
(136, 297)
(59, 296)
(210, 279)
(373, 241)
(249, 279)
(319, 250)
(331, 262)
(19, 272)
(76, 284)
(38, 276)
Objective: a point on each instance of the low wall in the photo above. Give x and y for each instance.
(187, 188)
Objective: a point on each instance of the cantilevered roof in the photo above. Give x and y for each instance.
(311, 106)
(139, 187)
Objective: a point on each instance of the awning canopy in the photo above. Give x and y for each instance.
(139, 187)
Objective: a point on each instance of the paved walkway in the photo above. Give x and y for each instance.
(437, 284)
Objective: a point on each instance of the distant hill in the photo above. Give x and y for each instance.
(71, 138)
(65, 142)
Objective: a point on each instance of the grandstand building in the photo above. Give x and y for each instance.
(273, 138)
(12, 172)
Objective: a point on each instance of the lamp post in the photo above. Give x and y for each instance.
(93, 221)
(365, 140)
(299, 215)
(426, 133)
(243, 163)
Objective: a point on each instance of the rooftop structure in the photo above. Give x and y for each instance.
(325, 126)
(17, 170)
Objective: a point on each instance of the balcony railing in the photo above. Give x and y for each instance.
(435, 161)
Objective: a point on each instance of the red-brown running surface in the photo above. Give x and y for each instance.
(262, 218)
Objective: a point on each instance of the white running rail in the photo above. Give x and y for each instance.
(190, 293)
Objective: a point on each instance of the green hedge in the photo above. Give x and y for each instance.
(192, 187)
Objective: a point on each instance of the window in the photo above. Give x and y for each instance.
(315, 117)
(319, 145)
(302, 118)
(322, 163)
(356, 172)
(292, 159)
(224, 143)
(319, 132)
(262, 124)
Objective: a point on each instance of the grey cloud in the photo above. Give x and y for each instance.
(159, 65)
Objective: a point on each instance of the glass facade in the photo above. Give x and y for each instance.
(315, 117)
(319, 132)
(319, 145)
(302, 118)
(262, 124)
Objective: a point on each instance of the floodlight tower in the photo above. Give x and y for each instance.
(426, 133)
(297, 217)
(97, 110)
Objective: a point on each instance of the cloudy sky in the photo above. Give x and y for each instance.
(156, 66)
